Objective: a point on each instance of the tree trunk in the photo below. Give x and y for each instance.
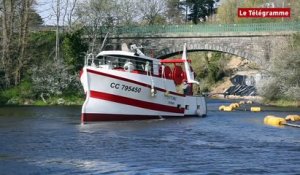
(57, 30)
(71, 13)
(23, 36)
(7, 31)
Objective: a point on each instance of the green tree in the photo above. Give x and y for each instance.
(174, 12)
(74, 50)
(127, 12)
(152, 11)
(95, 15)
(35, 19)
(209, 68)
(200, 9)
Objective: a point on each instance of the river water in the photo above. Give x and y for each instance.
(51, 140)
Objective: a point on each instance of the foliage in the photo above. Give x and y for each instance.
(209, 68)
(35, 19)
(17, 94)
(96, 13)
(200, 9)
(295, 11)
(17, 17)
(57, 77)
(227, 12)
(174, 11)
(152, 11)
(282, 75)
(46, 78)
(52, 78)
(41, 47)
(215, 67)
(127, 12)
(74, 50)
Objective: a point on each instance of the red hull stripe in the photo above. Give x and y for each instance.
(86, 117)
(131, 81)
(89, 117)
(134, 102)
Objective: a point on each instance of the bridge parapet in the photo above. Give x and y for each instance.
(205, 30)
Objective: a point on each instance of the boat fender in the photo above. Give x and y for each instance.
(153, 92)
(128, 66)
(242, 102)
(234, 105)
(274, 121)
(255, 109)
(228, 108)
(221, 108)
(249, 102)
(237, 105)
(293, 117)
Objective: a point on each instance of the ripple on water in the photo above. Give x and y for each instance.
(52, 141)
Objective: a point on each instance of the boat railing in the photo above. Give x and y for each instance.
(89, 59)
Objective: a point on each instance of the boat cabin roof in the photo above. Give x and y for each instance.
(125, 53)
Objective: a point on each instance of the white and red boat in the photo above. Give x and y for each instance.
(121, 85)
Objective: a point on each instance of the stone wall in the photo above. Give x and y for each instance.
(258, 48)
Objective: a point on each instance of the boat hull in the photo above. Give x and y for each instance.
(90, 117)
(116, 96)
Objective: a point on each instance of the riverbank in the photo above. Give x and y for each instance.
(260, 100)
(283, 103)
(46, 101)
(79, 100)
(25, 94)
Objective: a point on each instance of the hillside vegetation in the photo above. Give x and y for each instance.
(42, 67)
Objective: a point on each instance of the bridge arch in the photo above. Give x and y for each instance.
(192, 47)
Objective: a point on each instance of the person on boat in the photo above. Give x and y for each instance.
(129, 66)
(186, 87)
(148, 68)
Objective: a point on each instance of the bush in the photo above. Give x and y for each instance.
(17, 94)
(209, 68)
(282, 76)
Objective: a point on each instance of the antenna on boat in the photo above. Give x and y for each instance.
(189, 73)
(103, 43)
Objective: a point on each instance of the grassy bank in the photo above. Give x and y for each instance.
(62, 100)
(16, 96)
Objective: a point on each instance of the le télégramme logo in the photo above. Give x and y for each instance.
(264, 12)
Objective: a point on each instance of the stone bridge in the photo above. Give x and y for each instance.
(256, 42)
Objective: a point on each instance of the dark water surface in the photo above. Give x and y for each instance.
(51, 140)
